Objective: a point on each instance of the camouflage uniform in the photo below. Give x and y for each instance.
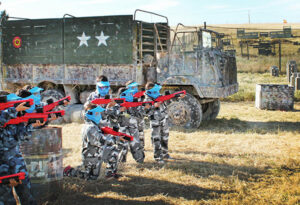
(96, 148)
(6, 196)
(12, 157)
(110, 118)
(141, 126)
(128, 124)
(159, 129)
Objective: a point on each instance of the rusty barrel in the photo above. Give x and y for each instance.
(44, 161)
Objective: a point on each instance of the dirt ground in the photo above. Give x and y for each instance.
(245, 156)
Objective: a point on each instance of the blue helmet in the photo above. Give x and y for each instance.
(128, 95)
(133, 86)
(103, 88)
(154, 92)
(94, 114)
(36, 91)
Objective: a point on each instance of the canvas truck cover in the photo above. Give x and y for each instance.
(84, 40)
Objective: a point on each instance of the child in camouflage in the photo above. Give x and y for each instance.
(94, 147)
(127, 121)
(133, 86)
(158, 117)
(12, 161)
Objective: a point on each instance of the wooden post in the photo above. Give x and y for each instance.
(241, 45)
(279, 56)
(248, 51)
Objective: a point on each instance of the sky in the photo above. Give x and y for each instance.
(188, 12)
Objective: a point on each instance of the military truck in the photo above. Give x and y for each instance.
(65, 55)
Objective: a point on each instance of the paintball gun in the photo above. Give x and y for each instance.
(18, 177)
(29, 118)
(58, 113)
(170, 96)
(114, 132)
(106, 100)
(136, 104)
(4, 104)
(51, 105)
(139, 94)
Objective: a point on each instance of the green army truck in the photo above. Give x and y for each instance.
(65, 55)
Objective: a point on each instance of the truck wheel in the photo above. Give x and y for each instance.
(185, 112)
(55, 95)
(211, 110)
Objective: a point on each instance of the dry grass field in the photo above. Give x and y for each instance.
(245, 156)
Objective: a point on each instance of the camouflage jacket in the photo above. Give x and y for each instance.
(156, 115)
(9, 139)
(93, 96)
(129, 117)
(12, 134)
(92, 140)
(6, 115)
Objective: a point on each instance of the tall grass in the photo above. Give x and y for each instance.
(262, 64)
(247, 85)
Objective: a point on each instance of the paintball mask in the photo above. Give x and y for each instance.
(12, 97)
(36, 91)
(154, 92)
(134, 87)
(128, 95)
(35, 100)
(94, 114)
(103, 88)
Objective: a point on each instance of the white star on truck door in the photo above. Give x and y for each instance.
(83, 39)
(102, 39)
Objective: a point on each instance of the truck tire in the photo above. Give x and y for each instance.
(55, 95)
(186, 112)
(211, 110)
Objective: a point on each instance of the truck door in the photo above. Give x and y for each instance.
(183, 59)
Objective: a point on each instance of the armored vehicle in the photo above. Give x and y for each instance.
(65, 55)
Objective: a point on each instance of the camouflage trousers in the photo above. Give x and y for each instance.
(160, 138)
(91, 166)
(135, 146)
(16, 164)
(141, 126)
